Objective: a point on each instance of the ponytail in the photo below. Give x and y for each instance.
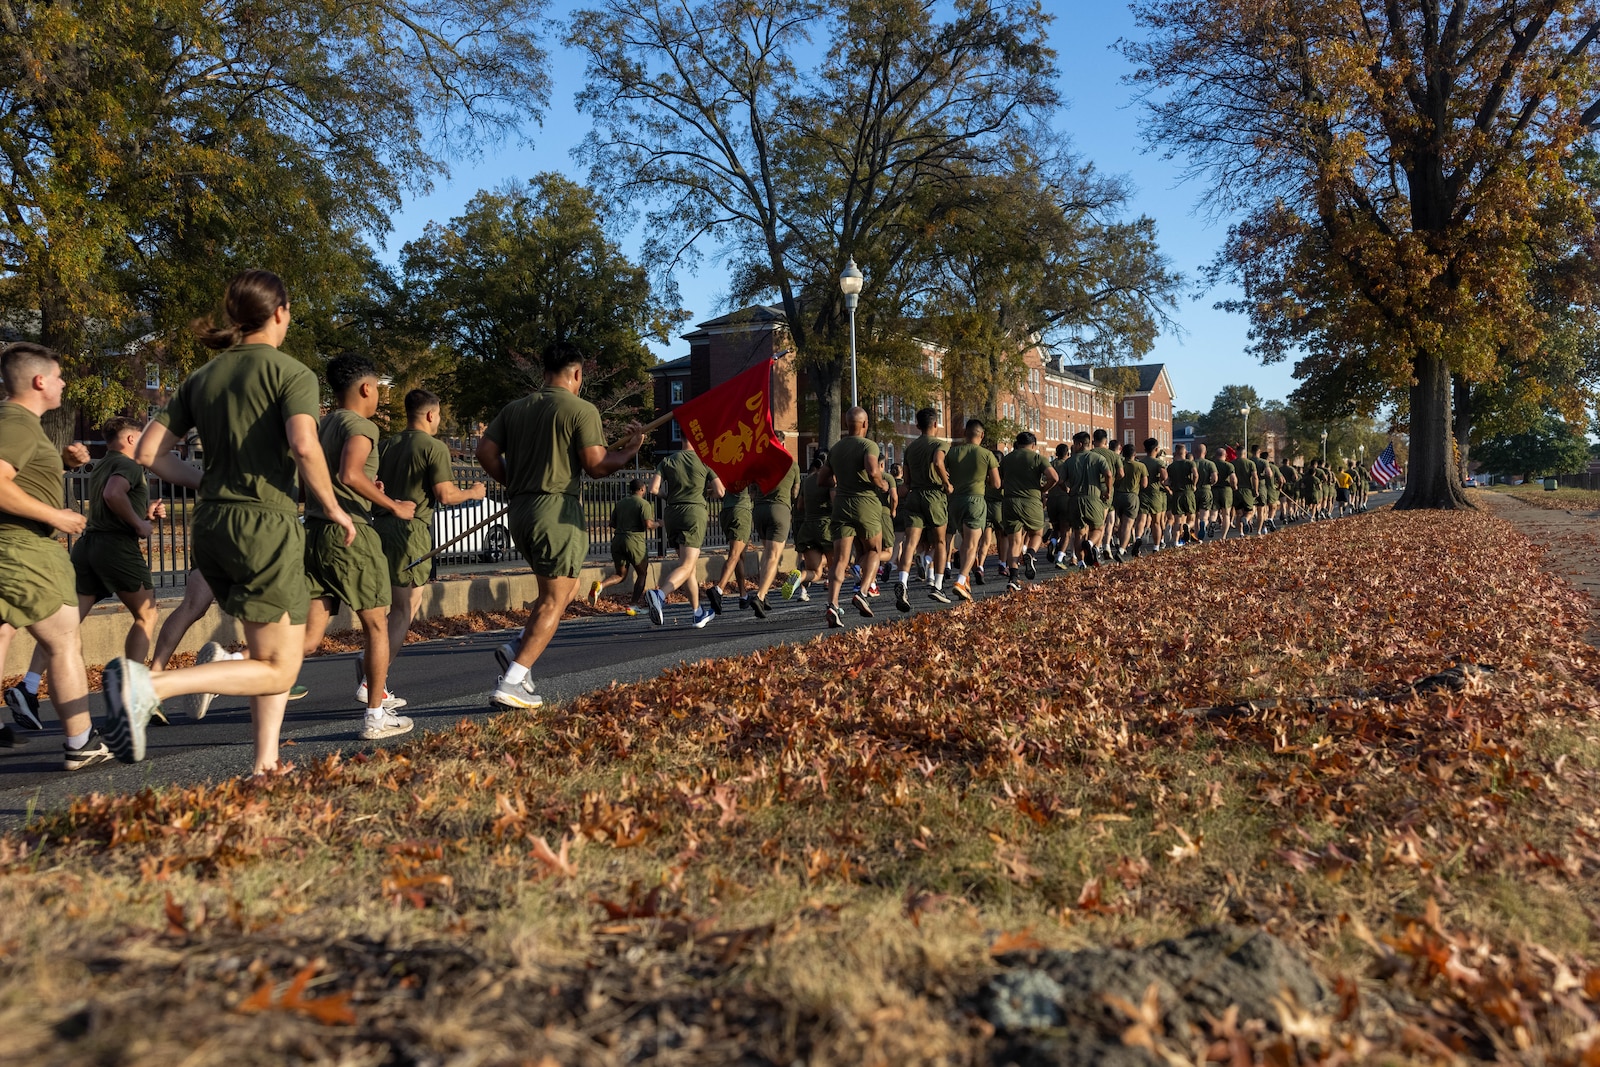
(254, 296)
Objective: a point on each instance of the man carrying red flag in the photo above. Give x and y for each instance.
(730, 429)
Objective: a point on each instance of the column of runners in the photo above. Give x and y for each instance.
(368, 504)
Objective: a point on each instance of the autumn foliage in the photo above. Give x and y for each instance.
(1373, 738)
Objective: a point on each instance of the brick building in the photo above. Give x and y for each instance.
(1146, 411)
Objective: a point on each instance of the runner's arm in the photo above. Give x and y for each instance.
(599, 461)
(353, 476)
(655, 484)
(994, 477)
(14, 501)
(1051, 477)
(448, 493)
(492, 460)
(718, 490)
(154, 454)
(115, 494)
(944, 475)
(307, 453)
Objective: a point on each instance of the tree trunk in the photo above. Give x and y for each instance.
(55, 333)
(826, 382)
(1433, 480)
(1461, 397)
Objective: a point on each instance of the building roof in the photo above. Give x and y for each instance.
(1149, 373)
(754, 317)
(672, 365)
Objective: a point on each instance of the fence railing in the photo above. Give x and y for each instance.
(168, 548)
(1587, 480)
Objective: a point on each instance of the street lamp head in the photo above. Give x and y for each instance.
(1324, 435)
(850, 283)
(1245, 410)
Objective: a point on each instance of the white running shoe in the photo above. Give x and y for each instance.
(200, 703)
(390, 701)
(517, 695)
(384, 724)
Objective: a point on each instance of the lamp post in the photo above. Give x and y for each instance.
(850, 284)
(1324, 448)
(1245, 442)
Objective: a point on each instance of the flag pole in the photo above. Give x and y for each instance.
(654, 424)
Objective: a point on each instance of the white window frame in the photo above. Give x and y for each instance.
(152, 376)
(675, 392)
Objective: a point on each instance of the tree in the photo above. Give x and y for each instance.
(1550, 446)
(521, 268)
(702, 112)
(1223, 424)
(148, 149)
(1394, 163)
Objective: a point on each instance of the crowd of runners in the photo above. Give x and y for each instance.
(934, 519)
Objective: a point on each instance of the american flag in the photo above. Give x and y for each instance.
(1384, 470)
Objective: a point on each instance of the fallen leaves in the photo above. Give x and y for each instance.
(331, 1010)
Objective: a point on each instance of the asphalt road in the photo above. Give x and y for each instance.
(444, 682)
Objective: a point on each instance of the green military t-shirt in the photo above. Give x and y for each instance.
(1113, 460)
(101, 518)
(968, 466)
(339, 427)
(1152, 467)
(848, 461)
(1224, 471)
(1021, 472)
(920, 456)
(891, 484)
(686, 478)
(1133, 478)
(814, 500)
(239, 403)
(37, 461)
(1206, 471)
(1179, 475)
(1087, 472)
(783, 493)
(410, 464)
(543, 437)
(630, 518)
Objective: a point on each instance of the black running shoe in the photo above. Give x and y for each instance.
(24, 708)
(716, 600)
(862, 604)
(977, 575)
(901, 600)
(1028, 567)
(759, 605)
(8, 736)
(1137, 547)
(835, 618)
(937, 595)
(95, 750)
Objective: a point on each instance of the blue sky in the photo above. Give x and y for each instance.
(1104, 125)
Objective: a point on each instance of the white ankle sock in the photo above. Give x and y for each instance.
(905, 577)
(77, 741)
(938, 581)
(515, 673)
(30, 682)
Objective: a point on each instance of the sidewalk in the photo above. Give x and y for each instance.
(1570, 541)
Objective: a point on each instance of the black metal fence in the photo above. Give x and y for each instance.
(1587, 480)
(168, 548)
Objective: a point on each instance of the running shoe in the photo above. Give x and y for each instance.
(1028, 569)
(516, 695)
(384, 724)
(902, 600)
(977, 574)
(298, 692)
(744, 602)
(803, 595)
(94, 751)
(835, 617)
(937, 595)
(872, 590)
(703, 616)
(862, 605)
(129, 699)
(918, 571)
(715, 594)
(1138, 546)
(961, 588)
(1116, 553)
(790, 585)
(759, 605)
(1013, 587)
(390, 701)
(658, 607)
(200, 703)
(594, 595)
(24, 708)
(505, 655)
(630, 611)
(8, 736)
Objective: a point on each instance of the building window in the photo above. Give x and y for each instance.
(1127, 411)
(677, 434)
(152, 376)
(676, 389)
(1127, 436)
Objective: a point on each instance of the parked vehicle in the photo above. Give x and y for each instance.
(492, 544)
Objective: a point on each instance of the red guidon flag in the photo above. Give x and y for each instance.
(730, 428)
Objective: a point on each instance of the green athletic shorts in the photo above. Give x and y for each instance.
(1222, 498)
(356, 574)
(925, 508)
(1125, 504)
(254, 560)
(1243, 500)
(814, 535)
(1152, 502)
(736, 524)
(404, 540)
(105, 564)
(857, 515)
(1092, 511)
(35, 578)
(772, 522)
(628, 551)
(1272, 496)
(1062, 510)
(685, 524)
(968, 511)
(995, 512)
(888, 523)
(1202, 499)
(1022, 513)
(549, 531)
(1183, 502)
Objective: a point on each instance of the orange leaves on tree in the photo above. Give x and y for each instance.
(331, 1010)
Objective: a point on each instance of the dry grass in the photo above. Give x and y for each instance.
(809, 854)
(1558, 499)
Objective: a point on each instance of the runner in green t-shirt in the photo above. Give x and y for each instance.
(774, 514)
(1182, 477)
(1205, 486)
(1127, 487)
(1101, 443)
(813, 537)
(1025, 476)
(1152, 498)
(683, 481)
(1059, 508)
(1092, 478)
(736, 519)
(255, 409)
(926, 506)
(414, 465)
(855, 474)
(632, 518)
(539, 448)
(974, 470)
(1246, 491)
(37, 591)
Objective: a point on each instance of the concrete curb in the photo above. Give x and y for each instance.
(106, 627)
